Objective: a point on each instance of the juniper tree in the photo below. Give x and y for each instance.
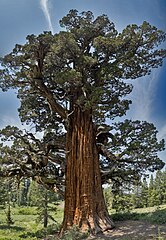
(75, 80)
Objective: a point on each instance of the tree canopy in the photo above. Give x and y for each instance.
(89, 56)
(87, 63)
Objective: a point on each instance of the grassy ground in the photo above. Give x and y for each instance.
(26, 227)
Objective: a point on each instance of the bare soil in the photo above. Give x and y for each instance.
(134, 230)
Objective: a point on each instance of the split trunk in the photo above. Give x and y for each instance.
(84, 201)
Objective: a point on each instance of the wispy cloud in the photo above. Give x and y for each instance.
(143, 97)
(45, 8)
(162, 135)
(162, 132)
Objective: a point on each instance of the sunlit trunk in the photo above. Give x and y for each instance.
(84, 200)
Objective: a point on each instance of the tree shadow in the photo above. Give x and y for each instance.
(42, 233)
(39, 234)
(28, 235)
(16, 228)
(134, 230)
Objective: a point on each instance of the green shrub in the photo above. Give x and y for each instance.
(157, 217)
(125, 216)
(74, 233)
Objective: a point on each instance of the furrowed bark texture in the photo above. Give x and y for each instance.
(84, 200)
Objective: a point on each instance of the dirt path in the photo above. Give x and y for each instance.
(135, 230)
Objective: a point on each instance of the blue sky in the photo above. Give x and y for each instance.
(18, 18)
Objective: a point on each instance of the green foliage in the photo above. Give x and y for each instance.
(157, 189)
(36, 194)
(122, 203)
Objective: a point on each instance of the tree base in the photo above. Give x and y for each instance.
(93, 226)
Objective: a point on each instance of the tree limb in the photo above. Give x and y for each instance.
(54, 106)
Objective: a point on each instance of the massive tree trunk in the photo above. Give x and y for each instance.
(84, 201)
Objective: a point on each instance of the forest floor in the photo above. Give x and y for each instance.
(134, 230)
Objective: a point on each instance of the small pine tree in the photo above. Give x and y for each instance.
(41, 197)
(163, 187)
(136, 200)
(144, 193)
(23, 192)
(122, 199)
(151, 192)
(8, 208)
(108, 196)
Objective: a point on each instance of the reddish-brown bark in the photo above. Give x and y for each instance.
(84, 200)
